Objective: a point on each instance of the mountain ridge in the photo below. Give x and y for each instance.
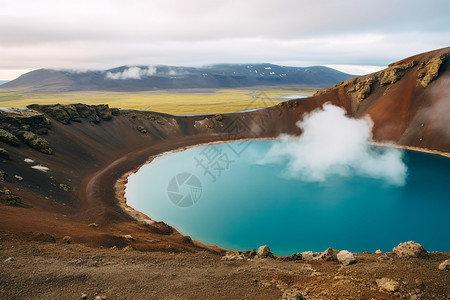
(141, 78)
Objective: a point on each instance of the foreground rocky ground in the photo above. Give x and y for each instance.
(40, 270)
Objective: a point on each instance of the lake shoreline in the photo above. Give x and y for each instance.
(120, 185)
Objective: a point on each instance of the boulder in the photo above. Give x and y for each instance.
(67, 239)
(388, 284)
(410, 249)
(329, 255)
(345, 257)
(378, 252)
(264, 251)
(307, 255)
(445, 265)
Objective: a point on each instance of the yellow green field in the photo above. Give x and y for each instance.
(196, 101)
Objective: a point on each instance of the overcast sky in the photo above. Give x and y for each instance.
(353, 35)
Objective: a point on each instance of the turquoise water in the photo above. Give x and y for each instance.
(239, 204)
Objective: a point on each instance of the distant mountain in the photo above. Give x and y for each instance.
(3, 81)
(140, 78)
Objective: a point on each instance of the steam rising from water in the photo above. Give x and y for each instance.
(333, 144)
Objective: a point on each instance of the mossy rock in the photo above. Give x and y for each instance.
(429, 71)
(115, 112)
(218, 117)
(73, 113)
(37, 143)
(7, 197)
(87, 112)
(142, 129)
(103, 111)
(363, 88)
(8, 138)
(57, 112)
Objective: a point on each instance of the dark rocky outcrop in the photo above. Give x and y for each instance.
(8, 138)
(38, 143)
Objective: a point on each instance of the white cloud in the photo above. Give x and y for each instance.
(333, 144)
(131, 73)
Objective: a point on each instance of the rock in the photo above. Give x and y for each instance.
(429, 71)
(292, 294)
(87, 112)
(67, 239)
(9, 259)
(445, 265)
(307, 255)
(103, 111)
(328, 255)
(73, 113)
(4, 154)
(264, 251)
(386, 256)
(394, 73)
(388, 284)
(345, 257)
(8, 138)
(233, 255)
(142, 129)
(94, 225)
(17, 177)
(98, 297)
(251, 253)
(115, 112)
(56, 112)
(410, 249)
(127, 237)
(378, 252)
(84, 296)
(35, 142)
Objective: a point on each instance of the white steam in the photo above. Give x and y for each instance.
(132, 73)
(333, 144)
